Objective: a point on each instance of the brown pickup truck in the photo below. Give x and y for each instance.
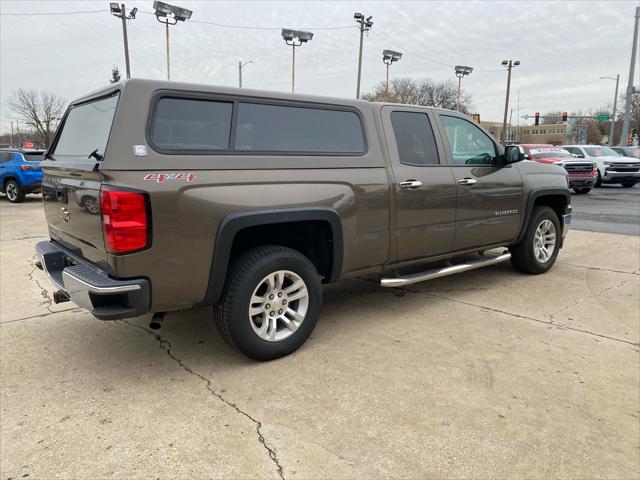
(164, 196)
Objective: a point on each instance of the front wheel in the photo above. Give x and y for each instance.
(537, 251)
(628, 184)
(582, 190)
(271, 302)
(14, 191)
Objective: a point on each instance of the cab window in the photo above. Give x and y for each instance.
(414, 138)
(469, 145)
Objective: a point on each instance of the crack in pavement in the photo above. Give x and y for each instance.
(31, 317)
(516, 315)
(48, 301)
(599, 268)
(167, 347)
(30, 237)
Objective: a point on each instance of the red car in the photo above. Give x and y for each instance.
(583, 174)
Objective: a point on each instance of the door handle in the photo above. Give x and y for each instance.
(411, 184)
(467, 181)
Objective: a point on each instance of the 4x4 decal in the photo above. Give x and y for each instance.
(166, 176)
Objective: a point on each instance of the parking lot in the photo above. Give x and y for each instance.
(487, 374)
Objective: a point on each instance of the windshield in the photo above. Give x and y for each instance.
(600, 152)
(86, 128)
(549, 153)
(34, 156)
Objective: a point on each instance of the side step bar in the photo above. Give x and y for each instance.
(444, 271)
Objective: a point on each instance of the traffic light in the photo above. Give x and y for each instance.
(564, 116)
(537, 117)
(476, 117)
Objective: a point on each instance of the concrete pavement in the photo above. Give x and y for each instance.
(486, 374)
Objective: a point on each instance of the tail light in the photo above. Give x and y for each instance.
(126, 222)
(29, 167)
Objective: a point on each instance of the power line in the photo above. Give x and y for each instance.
(50, 13)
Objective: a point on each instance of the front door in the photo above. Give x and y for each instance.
(424, 187)
(489, 195)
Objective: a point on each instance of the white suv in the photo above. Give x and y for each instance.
(612, 167)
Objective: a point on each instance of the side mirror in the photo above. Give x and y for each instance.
(512, 154)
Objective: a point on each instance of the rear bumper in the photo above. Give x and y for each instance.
(92, 288)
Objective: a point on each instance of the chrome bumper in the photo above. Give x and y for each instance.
(92, 288)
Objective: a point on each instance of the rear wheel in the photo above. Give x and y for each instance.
(537, 251)
(271, 302)
(628, 184)
(14, 192)
(582, 190)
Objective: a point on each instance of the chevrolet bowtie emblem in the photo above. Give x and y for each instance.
(64, 214)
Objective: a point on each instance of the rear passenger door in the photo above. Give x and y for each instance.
(489, 194)
(424, 186)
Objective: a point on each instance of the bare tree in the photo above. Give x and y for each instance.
(421, 92)
(115, 75)
(40, 110)
(550, 118)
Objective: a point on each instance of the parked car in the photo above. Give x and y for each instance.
(633, 152)
(582, 173)
(612, 168)
(20, 172)
(249, 201)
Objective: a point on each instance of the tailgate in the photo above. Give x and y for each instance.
(72, 209)
(72, 178)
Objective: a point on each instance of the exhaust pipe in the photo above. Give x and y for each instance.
(156, 321)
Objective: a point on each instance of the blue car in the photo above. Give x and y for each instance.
(20, 172)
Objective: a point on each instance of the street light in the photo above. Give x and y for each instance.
(509, 64)
(389, 57)
(365, 25)
(461, 71)
(121, 12)
(240, 65)
(179, 14)
(295, 38)
(615, 106)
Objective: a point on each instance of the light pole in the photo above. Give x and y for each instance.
(240, 65)
(389, 57)
(162, 12)
(365, 26)
(509, 64)
(630, 89)
(295, 38)
(461, 71)
(121, 12)
(615, 105)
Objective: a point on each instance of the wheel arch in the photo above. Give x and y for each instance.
(233, 225)
(556, 198)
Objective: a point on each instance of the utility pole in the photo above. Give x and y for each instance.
(461, 71)
(615, 108)
(295, 38)
(240, 65)
(178, 14)
(166, 26)
(509, 64)
(121, 12)
(365, 26)
(630, 89)
(11, 121)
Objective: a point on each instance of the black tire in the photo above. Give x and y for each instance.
(581, 191)
(628, 185)
(523, 257)
(247, 273)
(14, 192)
(599, 180)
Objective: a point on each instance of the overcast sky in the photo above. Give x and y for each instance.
(564, 48)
